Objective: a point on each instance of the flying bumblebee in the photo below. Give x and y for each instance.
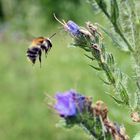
(36, 48)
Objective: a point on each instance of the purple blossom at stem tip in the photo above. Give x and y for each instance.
(69, 103)
(72, 27)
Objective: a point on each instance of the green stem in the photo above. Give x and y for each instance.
(103, 9)
(117, 29)
(95, 128)
(136, 53)
(108, 73)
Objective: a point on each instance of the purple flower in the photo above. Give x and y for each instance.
(65, 104)
(69, 103)
(72, 27)
(80, 102)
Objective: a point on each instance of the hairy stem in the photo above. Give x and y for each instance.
(117, 29)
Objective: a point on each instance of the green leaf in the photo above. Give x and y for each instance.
(101, 3)
(117, 100)
(108, 72)
(124, 95)
(91, 58)
(114, 38)
(95, 67)
(137, 136)
(138, 100)
(107, 83)
(114, 11)
(110, 59)
(103, 6)
(61, 124)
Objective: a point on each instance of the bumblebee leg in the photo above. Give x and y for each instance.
(33, 61)
(40, 53)
(45, 54)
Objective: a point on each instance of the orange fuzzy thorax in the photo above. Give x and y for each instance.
(37, 41)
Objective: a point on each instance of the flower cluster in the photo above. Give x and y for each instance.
(77, 31)
(90, 39)
(70, 104)
(75, 108)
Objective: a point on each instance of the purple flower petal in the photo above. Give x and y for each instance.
(73, 28)
(69, 103)
(65, 104)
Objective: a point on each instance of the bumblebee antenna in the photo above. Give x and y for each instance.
(52, 35)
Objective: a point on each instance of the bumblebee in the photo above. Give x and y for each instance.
(38, 45)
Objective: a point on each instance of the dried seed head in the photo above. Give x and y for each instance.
(135, 116)
(91, 27)
(85, 32)
(100, 109)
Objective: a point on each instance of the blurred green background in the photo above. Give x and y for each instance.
(24, 114)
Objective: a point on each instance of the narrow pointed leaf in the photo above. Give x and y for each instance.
(138, 99)
(110, 59)
(114, 39)
(95, 67)
(116, 100)
(124, 95)
(91, 58)
(107, 83)
(102, 4)
(114, 11)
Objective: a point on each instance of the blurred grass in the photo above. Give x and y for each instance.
(24, 114)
